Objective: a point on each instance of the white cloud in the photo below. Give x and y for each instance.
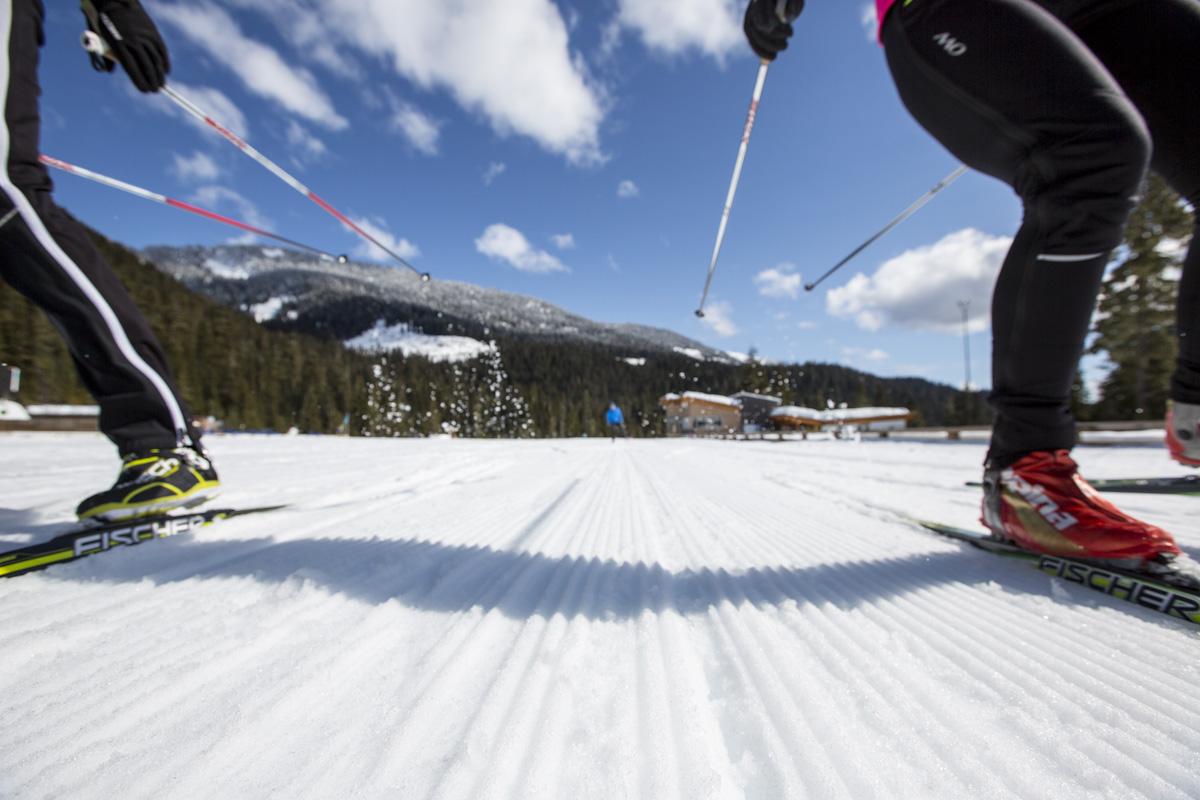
(214, 102)
(308, 33)
(627, 189)
(869, 20)
(378, 229)
(418, 128)
(781, 281)
(711, 27)
(305, 147)
(563, 241)
(921, 288)
(216, 197)
(493, 171)
(504, 243)
(719, 316)
(196, 167)
(510, 62)
(258, 66)
(807, 325)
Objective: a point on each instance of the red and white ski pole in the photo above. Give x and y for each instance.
(146, 194)
(94, 44)
(733, 182)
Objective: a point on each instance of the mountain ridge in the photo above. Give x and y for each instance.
(298, 291)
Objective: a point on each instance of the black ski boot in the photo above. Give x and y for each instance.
(154, 482)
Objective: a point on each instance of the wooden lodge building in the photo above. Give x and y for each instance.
(696, 413)
(700, 414)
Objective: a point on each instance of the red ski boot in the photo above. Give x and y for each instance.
(1183, 433)
(1042, 504)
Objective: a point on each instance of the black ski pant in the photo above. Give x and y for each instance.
(1069, 103)
(47, 257)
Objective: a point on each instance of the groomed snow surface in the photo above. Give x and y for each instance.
(581, 619)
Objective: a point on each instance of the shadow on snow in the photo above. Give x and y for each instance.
(434, 576)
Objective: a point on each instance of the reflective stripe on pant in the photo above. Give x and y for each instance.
(46, 256)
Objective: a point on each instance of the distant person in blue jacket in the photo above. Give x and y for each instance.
(615, 420)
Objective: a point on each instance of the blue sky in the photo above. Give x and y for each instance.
(575, 151)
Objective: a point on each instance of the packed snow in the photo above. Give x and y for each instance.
(383, 338)
(581, 619)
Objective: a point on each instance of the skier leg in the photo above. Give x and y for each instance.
(1012, 92)
(1151, 50)
(46, 256)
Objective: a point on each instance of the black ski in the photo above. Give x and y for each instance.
(1188, 484)
(86, 541)
(1176, 596)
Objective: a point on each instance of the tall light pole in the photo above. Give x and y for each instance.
(964, 305)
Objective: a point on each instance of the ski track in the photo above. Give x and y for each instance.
(641, 619)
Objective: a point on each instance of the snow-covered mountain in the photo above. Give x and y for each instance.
(298, 291)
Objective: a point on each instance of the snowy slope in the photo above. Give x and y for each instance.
(316, 294)
(581, 619)
(389, 338)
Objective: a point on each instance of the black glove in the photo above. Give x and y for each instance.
(768, 25)
(134, 41)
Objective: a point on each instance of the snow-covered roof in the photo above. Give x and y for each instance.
(797, 412)
(63, 411)
(840, 414)
(767, 397)
(701, 397)
(855, 414)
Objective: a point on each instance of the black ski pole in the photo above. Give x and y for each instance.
(905, 214)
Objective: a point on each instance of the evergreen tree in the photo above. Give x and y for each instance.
(254, 377)
(384, 414)
(1136, 319)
